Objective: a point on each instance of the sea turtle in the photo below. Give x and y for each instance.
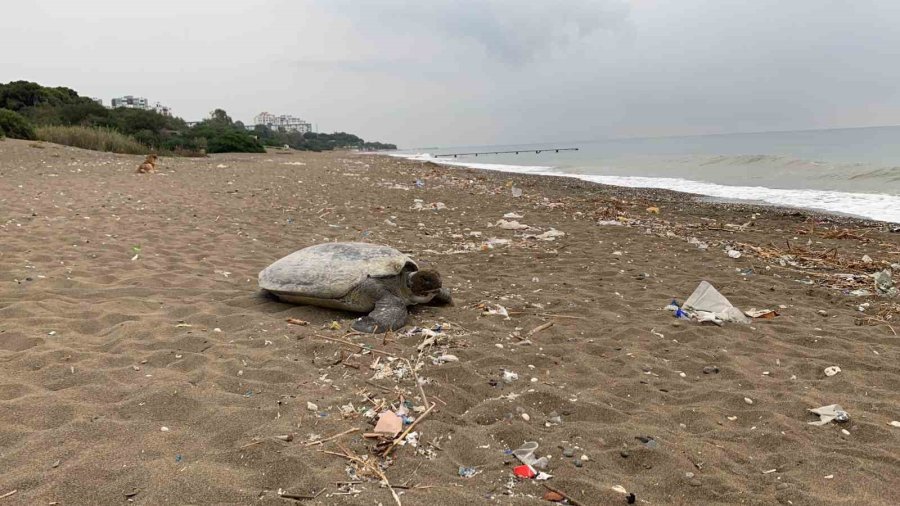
(367, 278)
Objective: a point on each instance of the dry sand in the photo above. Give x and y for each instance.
(138, 357)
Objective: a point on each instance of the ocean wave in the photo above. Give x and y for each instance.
(866, 205)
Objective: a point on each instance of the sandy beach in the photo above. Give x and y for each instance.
(139, 361)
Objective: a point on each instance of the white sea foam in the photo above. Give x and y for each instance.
(867, 205)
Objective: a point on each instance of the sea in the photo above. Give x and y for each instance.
(850, 171)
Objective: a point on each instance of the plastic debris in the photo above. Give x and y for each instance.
(513, 216)
(832, 412)
(495, 309)
(511, 225)
(698, 243)
(420, 205)
(516, 192)
(525, 454)
(509, 376)
(446, 357)
(550, 235)
(524, 471)
(884, 285)
(389, 424)
(733, 253)
(707, 304)
(761, 313)
(468, 472)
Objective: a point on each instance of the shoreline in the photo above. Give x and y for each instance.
(718, 188)
(139, 356)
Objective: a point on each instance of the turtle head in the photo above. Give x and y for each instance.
(425, 282)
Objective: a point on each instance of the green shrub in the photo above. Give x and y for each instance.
(13, 125)
(97, 139)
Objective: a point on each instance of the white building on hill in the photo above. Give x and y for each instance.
(286, 122)
(131, 102)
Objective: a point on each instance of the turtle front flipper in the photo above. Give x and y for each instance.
(443, 297)
(389, 314)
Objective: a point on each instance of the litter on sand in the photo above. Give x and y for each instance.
(468, 472)
(831, 371)
(761, 313)
(389, 424)
(706, 304)
(511, 225)
(832, 412)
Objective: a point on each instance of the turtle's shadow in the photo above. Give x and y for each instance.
(267, 303)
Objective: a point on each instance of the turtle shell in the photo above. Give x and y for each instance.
(332, 270)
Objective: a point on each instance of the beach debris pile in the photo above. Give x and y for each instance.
(706, 304)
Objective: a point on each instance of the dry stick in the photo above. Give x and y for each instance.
(383, 388)
(298, 497)
(248, 445)
(361, 347)
(563, 494)
(418, 383)
(540, 328)
(349, 455)
(4, 496)
(320, 441)
(408, 430)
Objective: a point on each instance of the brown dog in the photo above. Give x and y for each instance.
(149, 165)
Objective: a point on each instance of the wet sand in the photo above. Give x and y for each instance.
(139, 361)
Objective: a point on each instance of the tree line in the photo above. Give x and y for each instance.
(25, 105)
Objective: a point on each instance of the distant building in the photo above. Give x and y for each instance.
(286, 122)
(130, 102)
(98, 100)
(162, 109)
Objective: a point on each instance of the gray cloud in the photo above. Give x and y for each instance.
(444, 72)
(512, 31)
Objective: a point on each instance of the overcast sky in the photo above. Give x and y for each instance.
(424, 73)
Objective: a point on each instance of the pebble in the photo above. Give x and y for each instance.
(688, 475)
(694, 483)
(830, 476)
(578, 463)
(748, 400)
(164, 429)
(895, 423)
(217, 329)
(526, 417)
(845, 432)
(823, 312)
(782, 486)
(624, 454)
(711, 369)
(831, 371)
(683, 375)
(732, 418)
(568, 452)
